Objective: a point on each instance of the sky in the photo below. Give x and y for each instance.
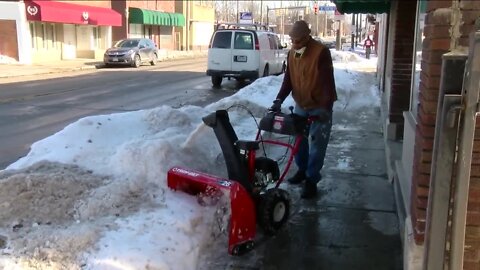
(94, 195)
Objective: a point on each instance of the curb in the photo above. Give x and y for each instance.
(59, 69)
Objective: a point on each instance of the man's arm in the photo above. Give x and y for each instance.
(286, 87)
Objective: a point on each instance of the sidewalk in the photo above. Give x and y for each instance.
(61, 66)
(353, 223)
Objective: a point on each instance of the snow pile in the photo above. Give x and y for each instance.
(94, 195)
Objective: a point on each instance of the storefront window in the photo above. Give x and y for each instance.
(43, 35)
(136, 30)
(417, 56)
(33, 35)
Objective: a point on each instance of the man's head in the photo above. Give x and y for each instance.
(299, 34)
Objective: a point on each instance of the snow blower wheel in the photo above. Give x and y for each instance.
(273, 210)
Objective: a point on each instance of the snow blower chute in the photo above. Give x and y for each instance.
(249, 177)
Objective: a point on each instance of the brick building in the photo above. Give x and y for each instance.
(423, 54)
(35, 31)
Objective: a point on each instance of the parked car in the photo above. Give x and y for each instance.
(244, 54)
(132, 51)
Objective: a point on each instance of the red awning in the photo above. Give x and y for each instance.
(60, 12)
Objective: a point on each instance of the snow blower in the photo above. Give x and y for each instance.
(252, 202)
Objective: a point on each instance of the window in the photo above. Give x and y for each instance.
(33, 35)
(43, 36)
(96, 37)
(417, 56)
(150, 44)
(222, 40)
(243, 41)
(50, 36)
(136, 31)
(272, 42)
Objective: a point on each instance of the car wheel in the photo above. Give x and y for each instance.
(107, 65)
(154, 60)
(266, 71)
(137, 61)
(216, 81)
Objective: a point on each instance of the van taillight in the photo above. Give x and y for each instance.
(257, 46)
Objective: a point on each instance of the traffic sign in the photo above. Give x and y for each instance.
(327, 8)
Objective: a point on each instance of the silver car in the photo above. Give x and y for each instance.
(132, 51)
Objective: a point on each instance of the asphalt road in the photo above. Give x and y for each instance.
(34, 109)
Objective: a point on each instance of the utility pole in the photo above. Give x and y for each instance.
(356, 30)
(281, 22)
(353, 33)
(238, 13)
(261, 11)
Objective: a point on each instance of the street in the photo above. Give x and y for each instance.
(38, 107)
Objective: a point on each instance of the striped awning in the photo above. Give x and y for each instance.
(154, 17)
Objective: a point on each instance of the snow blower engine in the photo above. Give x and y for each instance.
(253, 180)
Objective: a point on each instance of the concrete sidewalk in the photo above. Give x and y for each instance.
(14, 70)
(353, 224)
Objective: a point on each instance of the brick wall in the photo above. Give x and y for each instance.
(443, 34)
(160, 5)
(8, 39)
(402, 61)
(436, 43)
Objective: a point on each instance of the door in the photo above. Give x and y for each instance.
(273, 55)
(244, 55)
(143, 50)
(220, 51)
(69, 42)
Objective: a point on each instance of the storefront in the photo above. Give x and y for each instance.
(156, 25)
(60, 30)
(15, 41)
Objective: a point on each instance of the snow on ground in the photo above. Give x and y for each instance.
(7, 60)
(94, 195)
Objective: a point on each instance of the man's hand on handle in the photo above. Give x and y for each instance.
(276, 106)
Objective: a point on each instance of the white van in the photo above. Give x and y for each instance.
(244, 54)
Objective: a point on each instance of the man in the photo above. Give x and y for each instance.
(309, 77)
(367, 45)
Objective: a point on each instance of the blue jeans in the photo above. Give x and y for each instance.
(311, 154)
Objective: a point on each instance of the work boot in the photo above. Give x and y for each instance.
(309, 190)
(297, 178)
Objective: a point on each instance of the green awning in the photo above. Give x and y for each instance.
(153, 17)
(177, 19)
(362, 6)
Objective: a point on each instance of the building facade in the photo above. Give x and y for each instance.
(428, 55)
(35, 31)
(156, 20)
(200, 24)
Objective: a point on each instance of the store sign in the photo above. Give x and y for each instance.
(32, 10)
(85, 16)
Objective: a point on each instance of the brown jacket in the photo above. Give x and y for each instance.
(310, 78)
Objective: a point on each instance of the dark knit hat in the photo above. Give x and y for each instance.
(299, 29)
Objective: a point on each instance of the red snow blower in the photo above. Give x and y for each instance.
(253, 200)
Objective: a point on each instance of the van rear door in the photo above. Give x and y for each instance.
(220, 51)
(245, 55)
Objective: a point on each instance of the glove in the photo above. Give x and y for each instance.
(277, 106)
